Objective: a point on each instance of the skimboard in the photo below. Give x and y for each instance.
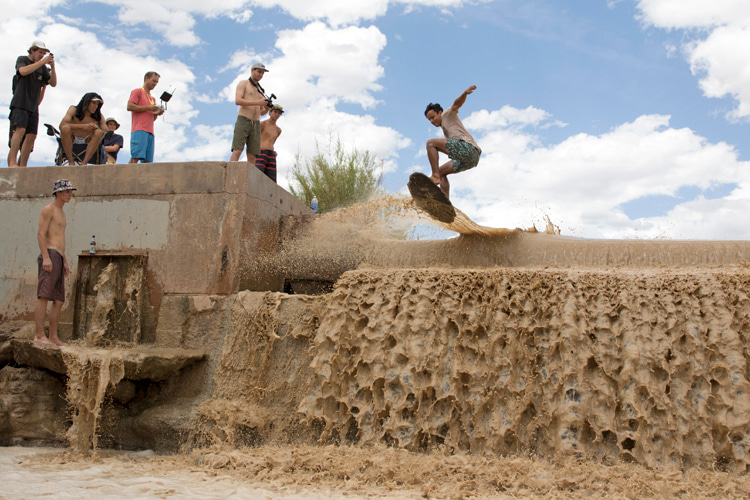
(429, 198)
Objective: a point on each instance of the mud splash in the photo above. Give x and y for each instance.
(377, 234)
(263, 373)
(373, 233)
(90, 373)
(109, 288)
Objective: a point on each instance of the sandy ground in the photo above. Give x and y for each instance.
(339, 472)
(48, 473)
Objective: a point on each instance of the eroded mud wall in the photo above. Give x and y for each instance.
(622, 364)
(263, 373)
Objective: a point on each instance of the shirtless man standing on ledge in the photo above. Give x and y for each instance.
(250, 97)
(53, 266)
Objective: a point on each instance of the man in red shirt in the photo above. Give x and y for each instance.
(144, 111)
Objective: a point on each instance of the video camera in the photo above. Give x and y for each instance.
(165, 97)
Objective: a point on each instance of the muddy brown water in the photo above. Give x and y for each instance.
(497, 364)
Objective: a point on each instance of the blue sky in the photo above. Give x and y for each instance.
(613, 118)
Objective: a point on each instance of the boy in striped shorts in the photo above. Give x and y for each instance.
(269, 132)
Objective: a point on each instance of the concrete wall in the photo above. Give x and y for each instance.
(197, 221)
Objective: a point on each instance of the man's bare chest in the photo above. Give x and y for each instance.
(251, 92)
(86, 119)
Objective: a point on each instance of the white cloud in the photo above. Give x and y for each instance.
(320, 121)
(175, 19)
(241, 16)
(723, 61)
(81, 68)
(344, 63)
(336, 12)
(686, 14)
(29, 9)
(506, 116)
(343, 68)
(175, 25)
(343, 12)
(582, 182)
(204, 144)
(719, 51)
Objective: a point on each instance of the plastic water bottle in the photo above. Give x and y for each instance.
(314, 204)
(92, 248)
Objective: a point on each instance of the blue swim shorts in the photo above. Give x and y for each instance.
(142, 146)
(463, 154)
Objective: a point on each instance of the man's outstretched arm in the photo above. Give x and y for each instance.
(462, 98)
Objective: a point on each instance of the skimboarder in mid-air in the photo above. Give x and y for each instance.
(458, 144)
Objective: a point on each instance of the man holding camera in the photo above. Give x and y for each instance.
(31, 78)
(251, 98)
(144, 112)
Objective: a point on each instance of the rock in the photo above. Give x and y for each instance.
(32, 408)
(161, 427)
(158, 364)
(141, 363)
(6, 349)
(38, 355)
(124, 392)
(10, 330)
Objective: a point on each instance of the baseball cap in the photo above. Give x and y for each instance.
(38, 44)
(110, 119)
(259, 66)
(277, 108)
(62, 185)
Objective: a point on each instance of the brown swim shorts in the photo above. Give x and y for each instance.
(51, 286)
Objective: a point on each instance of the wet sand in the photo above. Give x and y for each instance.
(287, 473)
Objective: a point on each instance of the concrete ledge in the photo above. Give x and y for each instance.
(146, 363)
(120, 180)
(196, 221)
